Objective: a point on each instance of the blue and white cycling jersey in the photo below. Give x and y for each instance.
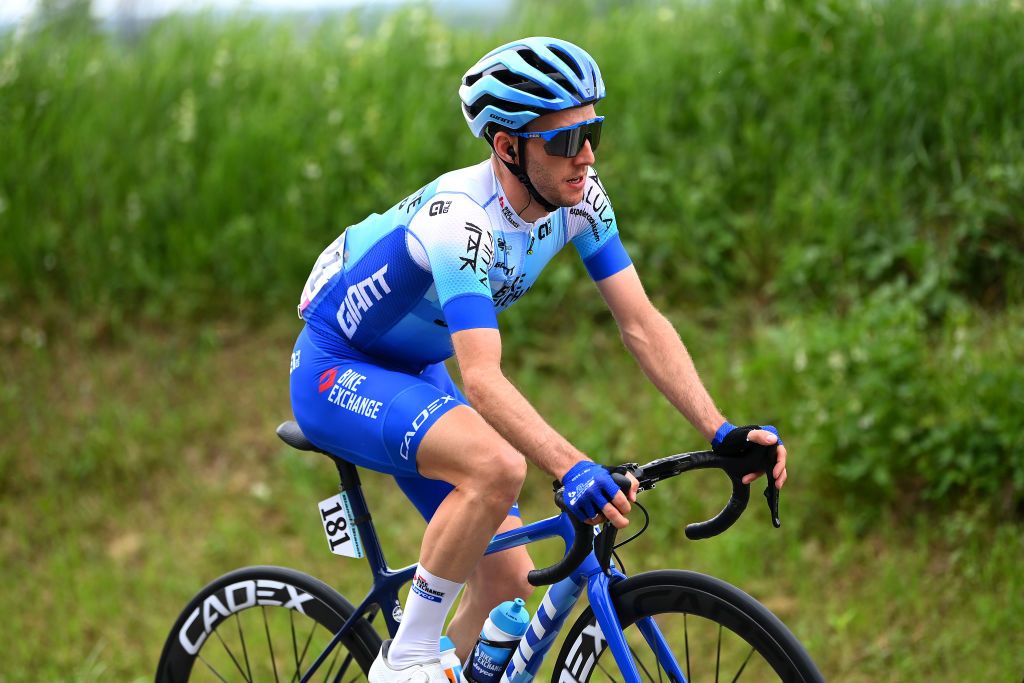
(449, 257)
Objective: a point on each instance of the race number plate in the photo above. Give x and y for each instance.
(342, 535)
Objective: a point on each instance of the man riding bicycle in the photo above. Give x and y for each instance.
(400, 292)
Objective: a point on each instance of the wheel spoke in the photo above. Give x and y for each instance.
(641, 664)
(334, 660)
(344, 667)
(232, 656)
(270, 646)
(295, 644)
(305, 649)
(743, 665)
(245, 650)
(718, 653)
(214, 671)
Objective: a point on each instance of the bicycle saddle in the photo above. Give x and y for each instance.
(291, 434)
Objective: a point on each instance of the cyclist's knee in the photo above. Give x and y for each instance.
(497, 473)
(465, 451)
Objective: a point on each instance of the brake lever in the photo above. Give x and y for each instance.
(765, 460)
(769, 458)
(771, 493)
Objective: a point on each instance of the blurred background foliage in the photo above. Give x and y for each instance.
(825, 196)
(852, 168)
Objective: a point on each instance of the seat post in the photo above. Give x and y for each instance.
(348, 474)
(352, 487)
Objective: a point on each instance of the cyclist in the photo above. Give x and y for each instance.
(400, 292)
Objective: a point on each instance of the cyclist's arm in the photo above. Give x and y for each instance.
(656, 345)
(478, 352)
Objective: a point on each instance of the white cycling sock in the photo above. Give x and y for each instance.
(419, 635)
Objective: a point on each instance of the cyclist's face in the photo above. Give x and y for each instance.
(561, 180)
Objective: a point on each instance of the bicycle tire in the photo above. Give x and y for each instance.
(715, 606)
(208, 640)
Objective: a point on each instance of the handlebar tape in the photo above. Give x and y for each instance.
(582, 545)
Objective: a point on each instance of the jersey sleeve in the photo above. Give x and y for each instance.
(451, 237)
(595, 233)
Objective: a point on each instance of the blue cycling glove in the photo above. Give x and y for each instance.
(732, 440)
(588, 488)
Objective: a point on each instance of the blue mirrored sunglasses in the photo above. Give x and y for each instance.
(568, 141)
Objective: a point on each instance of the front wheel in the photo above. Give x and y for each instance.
(265, 624)
(713, 631)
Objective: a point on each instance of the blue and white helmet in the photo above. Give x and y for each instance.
(519, 81)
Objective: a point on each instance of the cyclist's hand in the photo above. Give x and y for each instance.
(591, 495)
(616, 511)
(732, 440)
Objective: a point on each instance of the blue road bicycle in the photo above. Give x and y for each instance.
(266, 623)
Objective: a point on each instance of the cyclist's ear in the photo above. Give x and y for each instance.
(503, 144)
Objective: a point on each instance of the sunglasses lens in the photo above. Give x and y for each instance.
(595, 134)
(568, 143)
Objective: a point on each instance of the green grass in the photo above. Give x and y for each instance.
(134, 474)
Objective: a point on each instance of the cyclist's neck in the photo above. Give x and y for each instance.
(518, 196)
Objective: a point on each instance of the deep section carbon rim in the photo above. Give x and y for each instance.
(714, 631)
(265, 624)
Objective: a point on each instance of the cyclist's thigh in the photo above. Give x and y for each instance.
(368, 415)
(427, 494)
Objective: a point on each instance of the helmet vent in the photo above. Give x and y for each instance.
(487, 100)
(571, 63)
(531, 58)
(549, 70)
(507, 77)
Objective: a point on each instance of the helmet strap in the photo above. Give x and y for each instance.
(519, 171)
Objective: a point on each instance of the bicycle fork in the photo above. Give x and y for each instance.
(601, 602)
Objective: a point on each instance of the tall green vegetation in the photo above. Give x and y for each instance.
(791, 151)
(854, 168)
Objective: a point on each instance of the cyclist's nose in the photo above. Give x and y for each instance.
(585, 157)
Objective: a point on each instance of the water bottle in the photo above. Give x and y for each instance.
(498, 640)
(450, 660)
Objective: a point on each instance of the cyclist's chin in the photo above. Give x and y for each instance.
(569, 195)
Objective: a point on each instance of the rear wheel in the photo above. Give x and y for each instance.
(266, 624)
(715, 632)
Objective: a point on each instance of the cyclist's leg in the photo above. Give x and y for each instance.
(497, 577)
(474, 458)
(410, 426)
(487, 473)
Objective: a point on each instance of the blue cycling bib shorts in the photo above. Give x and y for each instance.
(371, 416)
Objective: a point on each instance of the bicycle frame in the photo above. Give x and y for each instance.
(546, 623)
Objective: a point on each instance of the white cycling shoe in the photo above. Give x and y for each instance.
(430, 671)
